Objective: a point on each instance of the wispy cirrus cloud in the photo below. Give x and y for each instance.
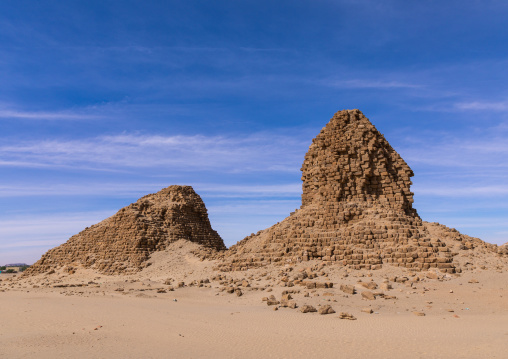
(474, 152)
(252, 153)
(373, 84)
(9, 113)
(464, 191)
(483, 105)
(139, 188)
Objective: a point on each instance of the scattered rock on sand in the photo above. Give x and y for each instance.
(349, 289)
(292, 304)
(344, 315)
(368, 295)
(385, 286)
(432, 275)
(272, 301)
(326, 309)
(284, 302)
(308, 309)
(368, 285)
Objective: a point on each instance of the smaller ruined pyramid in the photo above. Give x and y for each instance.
(356, 209)
(124, 241)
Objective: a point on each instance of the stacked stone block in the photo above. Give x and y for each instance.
(123, 242)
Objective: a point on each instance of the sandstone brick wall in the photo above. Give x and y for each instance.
(350, 161)
(123, 242)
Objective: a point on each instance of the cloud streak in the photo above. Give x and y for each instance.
(136, 189)
(45, 115)
(474, 152)
(483, 106)
(254, 153)
(463, 192)
(373, 84)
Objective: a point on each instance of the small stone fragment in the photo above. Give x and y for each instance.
(432, 275)
(349, 289)
(368, 295)
(369, 285)
(284, 302)
(385, 286)
(344, 315)
(272, 302)
(308, 309)
(326, 309)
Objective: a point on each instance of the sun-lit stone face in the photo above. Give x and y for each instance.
(350, 160)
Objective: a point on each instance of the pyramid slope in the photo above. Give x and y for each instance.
(123, 242)
(356, 209)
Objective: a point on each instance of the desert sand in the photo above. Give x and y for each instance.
(134, 316)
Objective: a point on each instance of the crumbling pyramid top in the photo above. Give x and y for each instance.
(350, 160)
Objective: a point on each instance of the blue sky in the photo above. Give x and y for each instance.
(102, 102)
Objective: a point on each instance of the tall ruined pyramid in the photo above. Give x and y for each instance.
(356, 209)
(124, 241)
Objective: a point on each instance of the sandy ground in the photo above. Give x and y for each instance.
(88, 315)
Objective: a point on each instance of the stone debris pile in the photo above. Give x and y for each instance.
(121, 244)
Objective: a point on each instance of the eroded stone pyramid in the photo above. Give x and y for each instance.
(124, 241)
(356, 208)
